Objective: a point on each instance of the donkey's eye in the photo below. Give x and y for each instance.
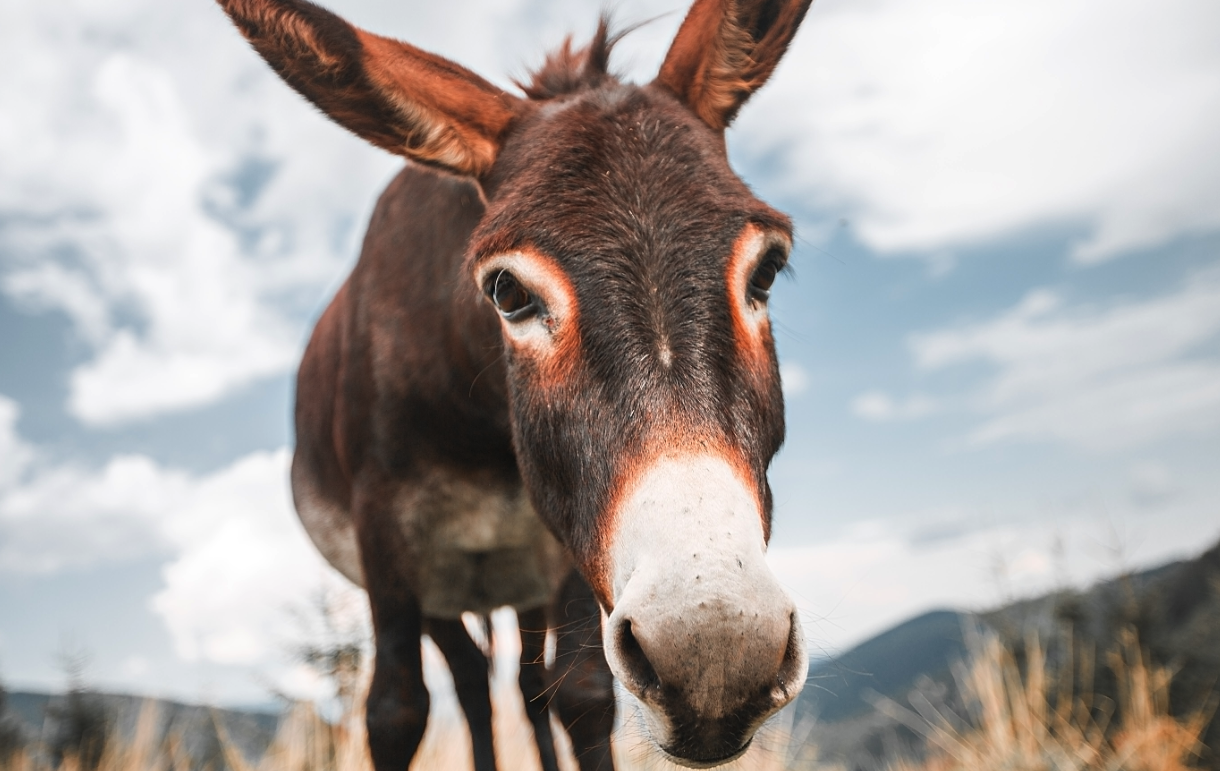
(764, 275)
(511, 298)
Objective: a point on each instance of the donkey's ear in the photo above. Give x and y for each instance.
(392, 94)
(725, 51)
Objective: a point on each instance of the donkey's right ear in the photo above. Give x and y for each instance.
(725, 50)
(394, 95)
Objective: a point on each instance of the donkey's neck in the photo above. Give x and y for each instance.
(431, 344)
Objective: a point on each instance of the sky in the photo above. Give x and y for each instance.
(1000, 343)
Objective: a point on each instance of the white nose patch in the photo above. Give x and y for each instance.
(684, 513)
(699, 624)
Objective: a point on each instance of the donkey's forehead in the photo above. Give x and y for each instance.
(621, 167)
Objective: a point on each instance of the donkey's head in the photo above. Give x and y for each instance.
(630, 268)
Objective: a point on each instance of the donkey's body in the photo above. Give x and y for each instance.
(552, 384)
(403, 380)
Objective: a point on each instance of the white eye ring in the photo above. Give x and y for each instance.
(553, 301)
(757, 250)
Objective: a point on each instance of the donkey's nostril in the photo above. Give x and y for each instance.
(636, 662)
(792, 669)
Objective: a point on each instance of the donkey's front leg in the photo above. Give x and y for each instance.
(397, 706)
(469, 668)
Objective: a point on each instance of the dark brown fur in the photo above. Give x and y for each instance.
(567, 71)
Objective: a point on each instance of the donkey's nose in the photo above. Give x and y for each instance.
(709, 672)
(765, 665)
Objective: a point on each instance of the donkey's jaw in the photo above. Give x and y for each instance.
(701, 632)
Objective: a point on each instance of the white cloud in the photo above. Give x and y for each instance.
(242, 561)
(135, 667)
(936, 124)
(16, 453)
(877, 406)
(236, 558)
(59, 516)
(1152, 483)
(65, 517)
(1103, 378)
(124, 131)
(794, 378)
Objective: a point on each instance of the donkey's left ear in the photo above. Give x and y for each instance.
(726, 50)
(392, 94)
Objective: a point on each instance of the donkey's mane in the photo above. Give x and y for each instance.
(567, 71)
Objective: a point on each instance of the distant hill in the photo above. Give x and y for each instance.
(836, 706)
(1174, 608)
(888, 664)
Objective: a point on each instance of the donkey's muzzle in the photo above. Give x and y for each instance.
(701, 632)
(706, 689)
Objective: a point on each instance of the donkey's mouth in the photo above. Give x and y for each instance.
(704, 762)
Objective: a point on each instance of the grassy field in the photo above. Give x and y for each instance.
(1018, 718)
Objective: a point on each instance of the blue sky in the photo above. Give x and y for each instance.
(1001, 344)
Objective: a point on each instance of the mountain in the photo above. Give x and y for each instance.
(1174, 610)
(835, 710)
(887, 665)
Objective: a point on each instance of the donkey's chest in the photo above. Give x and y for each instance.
(478, 546)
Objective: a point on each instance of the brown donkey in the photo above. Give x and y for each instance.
(550, 382)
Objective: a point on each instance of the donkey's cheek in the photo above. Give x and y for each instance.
(545, 358)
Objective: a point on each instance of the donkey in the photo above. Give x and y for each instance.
(550, 382)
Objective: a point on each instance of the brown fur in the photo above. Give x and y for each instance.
(566, 71)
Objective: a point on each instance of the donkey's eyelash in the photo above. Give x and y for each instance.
(786, 268)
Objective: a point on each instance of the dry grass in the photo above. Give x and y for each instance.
(1044, 721)
(145, 752)
(1036, 721)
